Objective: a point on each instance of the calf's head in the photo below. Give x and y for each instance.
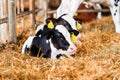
(64, 40)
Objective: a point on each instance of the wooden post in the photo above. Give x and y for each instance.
(43, 13)
(22, 10)
(40, 13)
(1, 12)
(3, 27)
(18, 6)
(12, 20)
(32, 16)
(45, 9)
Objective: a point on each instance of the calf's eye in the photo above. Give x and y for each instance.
(61, 39)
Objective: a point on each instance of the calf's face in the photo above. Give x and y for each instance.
(65, 40)
(59, 40)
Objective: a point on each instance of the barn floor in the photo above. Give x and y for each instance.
(97, 57)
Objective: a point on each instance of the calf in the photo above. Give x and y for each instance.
(51, 43)
(56, 22)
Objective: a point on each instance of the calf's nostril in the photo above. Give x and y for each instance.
(73, 49)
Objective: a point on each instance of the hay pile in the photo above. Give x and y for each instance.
(97, 58)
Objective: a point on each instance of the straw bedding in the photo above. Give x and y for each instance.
(97, 57)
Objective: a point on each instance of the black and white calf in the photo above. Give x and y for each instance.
(50, 43)
(71, 6)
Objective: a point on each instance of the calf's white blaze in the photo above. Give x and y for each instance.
(70, 20)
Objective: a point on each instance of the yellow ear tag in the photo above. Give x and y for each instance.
(73, 37)
(78, 25)
(50, 25)
(76, 14)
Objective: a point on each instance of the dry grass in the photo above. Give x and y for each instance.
(97, 58)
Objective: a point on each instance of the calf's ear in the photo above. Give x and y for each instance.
(51, 22)
(50, 25)
(78, 25)
(73, 37)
